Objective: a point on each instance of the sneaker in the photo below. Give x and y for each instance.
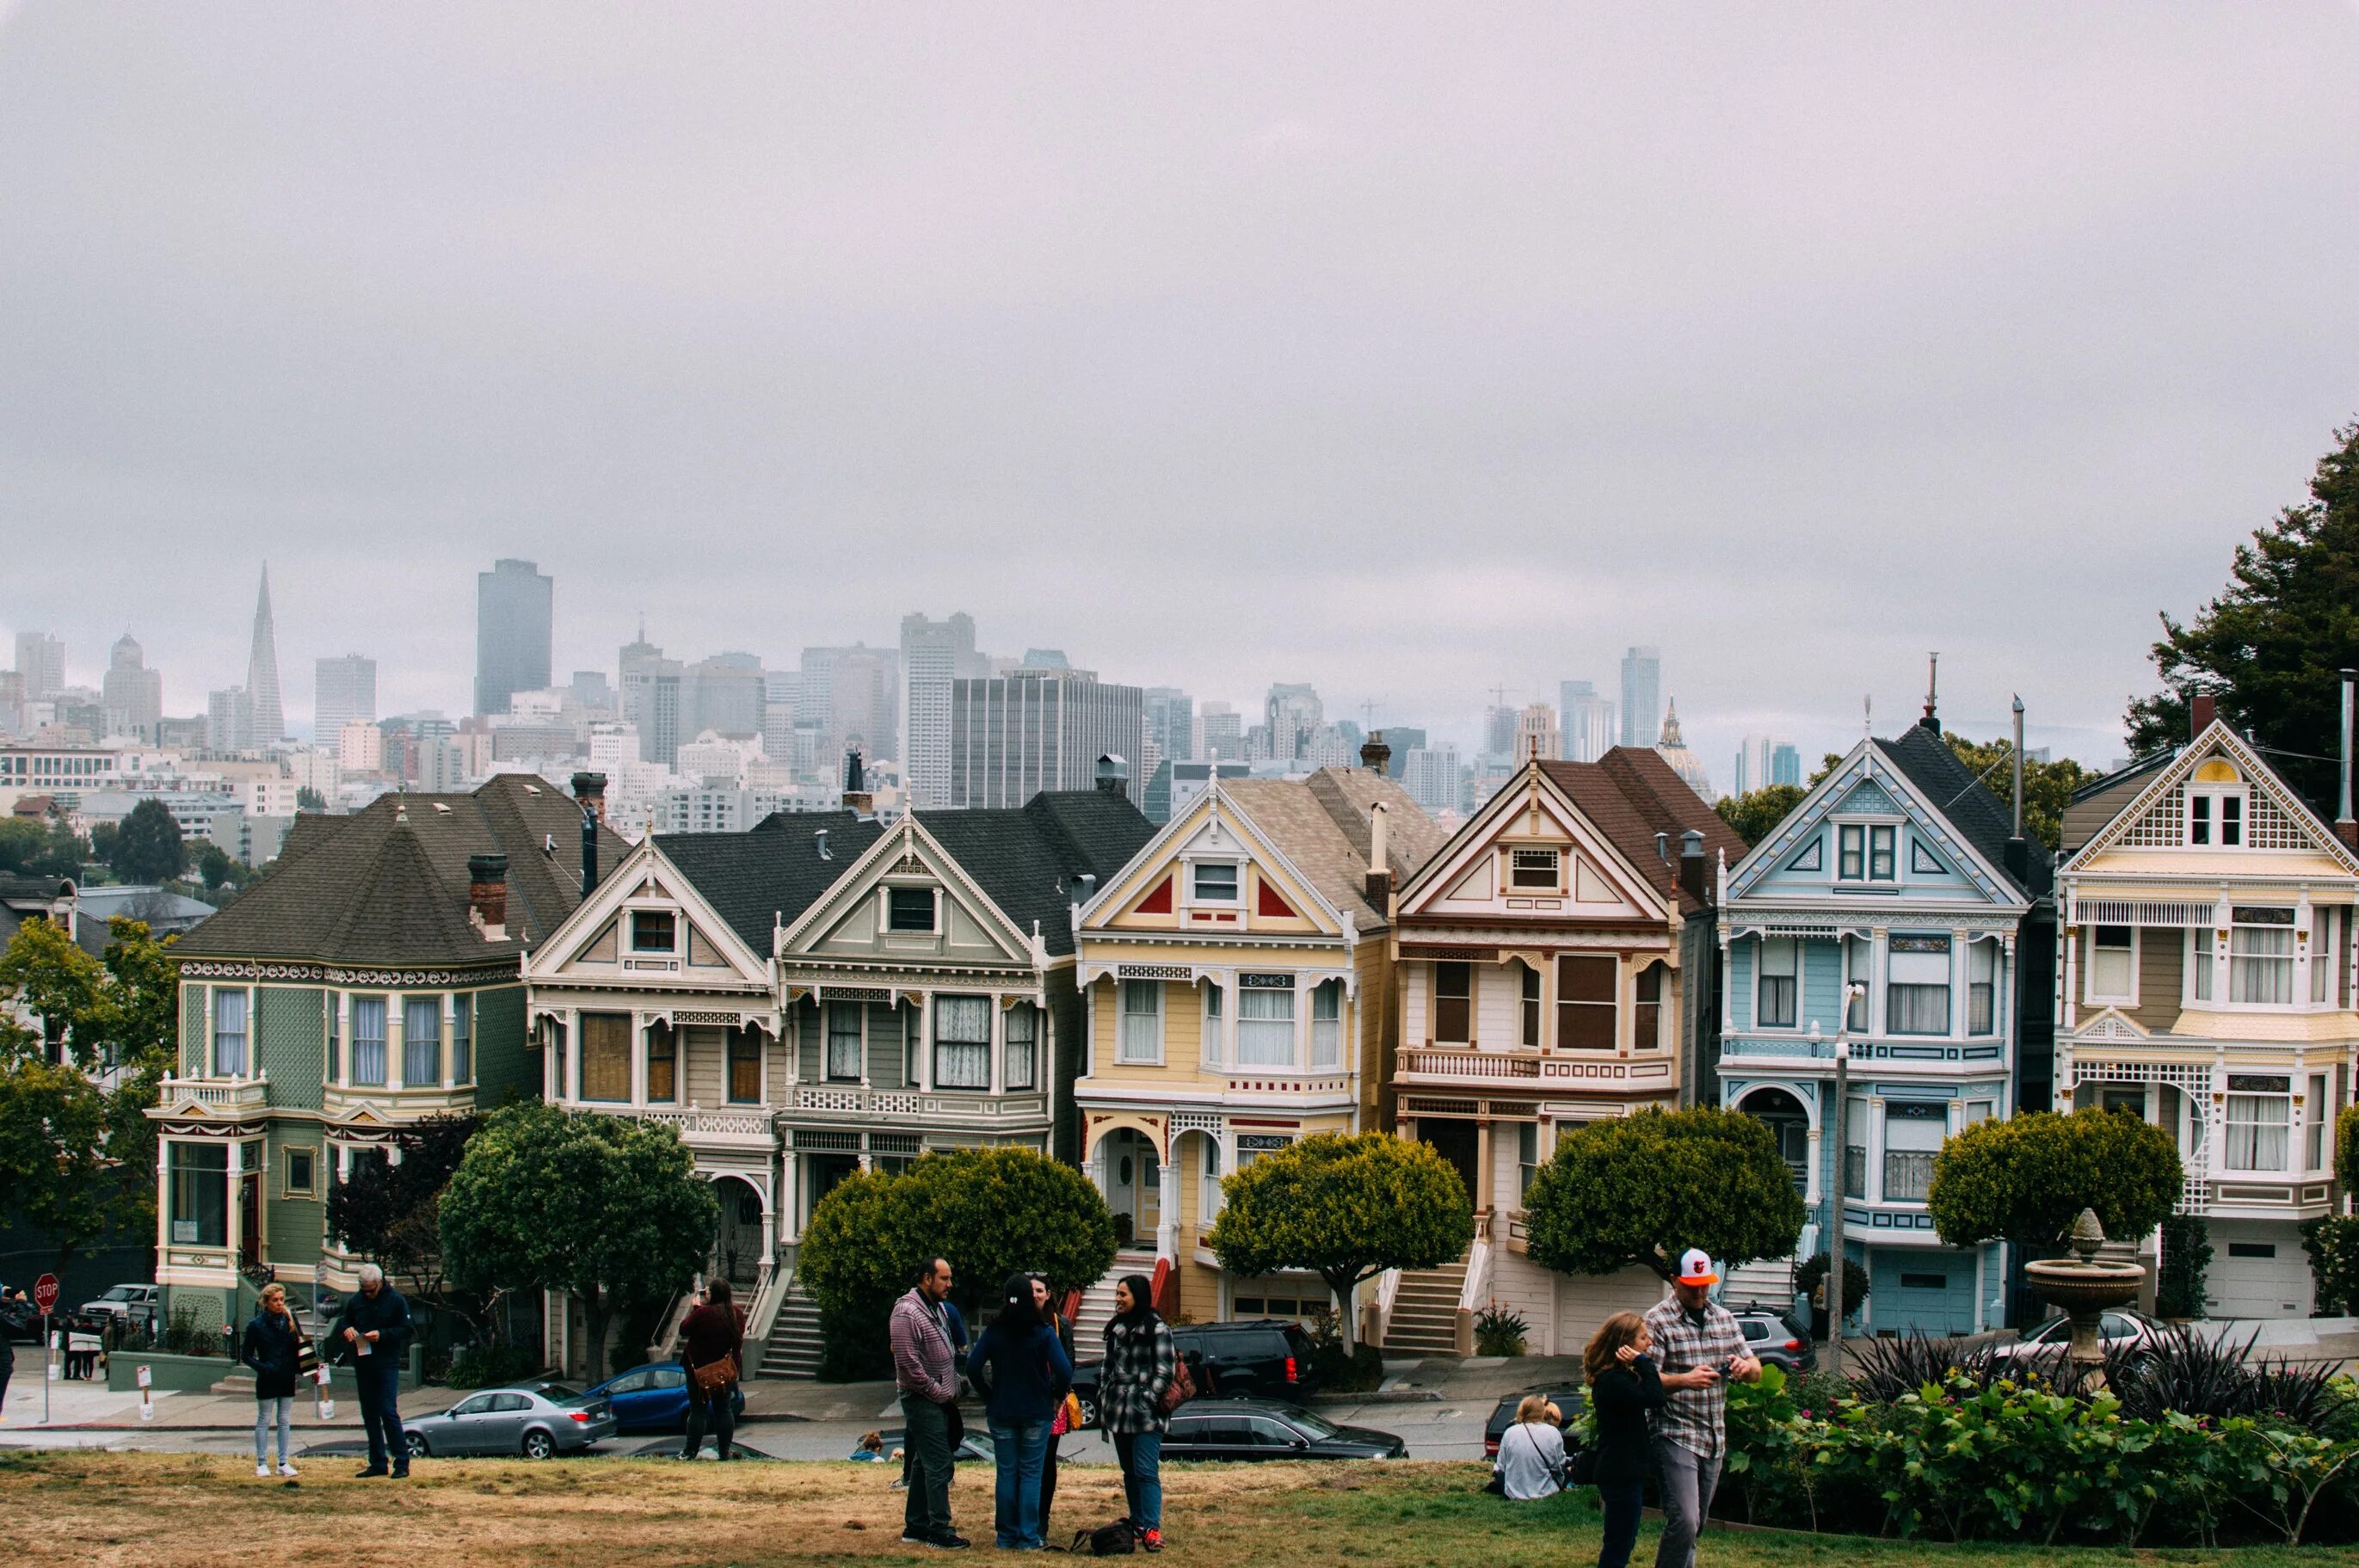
(262, 1472)
(1150, 1540)
(287, 1470)
(948, 1543)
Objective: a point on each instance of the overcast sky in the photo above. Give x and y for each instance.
(1405, 350)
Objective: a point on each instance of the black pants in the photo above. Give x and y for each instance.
(925, 1439)
(1624, 1501)
(1048, 1482)
(719, 1411)
(380, 1391)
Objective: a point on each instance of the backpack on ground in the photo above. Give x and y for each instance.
(1118, 1539)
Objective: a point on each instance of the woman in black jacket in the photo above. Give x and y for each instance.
(1623, 1386)
(273, 1348)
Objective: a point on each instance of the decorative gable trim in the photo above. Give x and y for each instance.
(1881, 789)
(2161, 807)
(1215, 811)
(1469, 859)
(2111, 1024)
(907, 850)
(647, 873)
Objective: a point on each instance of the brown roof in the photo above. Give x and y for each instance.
(1630, 795)
(1322, 826)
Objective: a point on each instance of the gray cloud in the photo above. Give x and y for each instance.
(1402, 351)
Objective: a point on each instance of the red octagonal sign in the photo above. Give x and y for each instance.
(45, 1292)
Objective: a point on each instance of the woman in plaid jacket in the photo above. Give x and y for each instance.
(1141, 1360)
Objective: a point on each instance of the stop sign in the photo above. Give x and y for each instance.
(45, 1292)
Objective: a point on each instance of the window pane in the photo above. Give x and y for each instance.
(1879, 854)
(2257, 1130)
(229, 1033)
(606, 1056)
(1917, 1010)
(462, 1039)
(1532, 868)
(199, 1194)
(663, 1063)
(1142, 1022)
(368, 1040)
(1531, 1008)
(421, 1041)
(1454, 1003)
(1780, 961)
(1326, 1025)
(1210, 1037)
(2260, 964)
(1216, 884)
(910, 909)
(963, 1043)
(1023, 1031)
(843, 1020)
(744, 1066)
(651, 930)
(1266, 1029)
(1853, 864)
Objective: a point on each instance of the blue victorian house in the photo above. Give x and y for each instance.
(1898, 911)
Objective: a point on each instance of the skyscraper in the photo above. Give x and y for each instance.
(41, 661)
(1535, 732)
(1587, 720)
(134, 694)
(1220, 736)
(262, 674)
(1786, 764)
(1751, 765)
(933, 655)
(650, 695)
(515, 627)
(724, 693)
(343, 689)
(1433, 777)
(1013, 736)
(1170, 726)
(1642, 695)
(1294, 714)
(1498, 731)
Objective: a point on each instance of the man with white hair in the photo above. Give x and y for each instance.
(375, 1330)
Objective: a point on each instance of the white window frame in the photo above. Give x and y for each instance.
(1978, 953)
(1263, 1038)
(1762, 976)
(2288, 959)
(1327, 1033)
(244, 1068)
(885, 909)
(1553, 865)
(1138, 1032)
(1892, 986)
(1847, 835)
(1031, 1017)
(967, 1003)
(2090, 994)
(411, 1004)
(2213, 816)
(827, 1036)
(1196, 894)
(2252, 1131)
(1208, 1049)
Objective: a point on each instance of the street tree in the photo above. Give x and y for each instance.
(390, 1213)
(56, 1179)
(2048, 787)
(148, 847)
(606, 1209)
(991, 1212)
(1345, 1206)
(2028, 1178)
(31, 846)
(1641, 1189)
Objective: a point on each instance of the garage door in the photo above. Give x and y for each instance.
(2257, 1270)
(1925, 1291)
(1582, 1301)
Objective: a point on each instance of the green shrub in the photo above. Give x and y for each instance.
(2186, 1259)
(1499, 1332)
(2332, 1243)
(487, 1366)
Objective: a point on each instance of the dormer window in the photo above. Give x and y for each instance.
(1868, 852)
(654, 931)
(910, 909)
(1533, 868)
(1214, 881)
(2216, 807)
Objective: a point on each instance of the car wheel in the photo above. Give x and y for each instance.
(1089, 1408)
(416, 1442)
(539, 1444)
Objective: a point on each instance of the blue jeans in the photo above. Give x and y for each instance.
(1141, 1454)
(380, 1389)
(1624, 1501)
(1018, 1452)
(280, 1410)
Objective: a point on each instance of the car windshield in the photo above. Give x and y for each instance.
(119, 1293)
(1313, 1425)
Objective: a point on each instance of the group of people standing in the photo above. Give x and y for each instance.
(1658, 1387)
(1022, 1365)
(371, 1331)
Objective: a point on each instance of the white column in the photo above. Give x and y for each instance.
(1879, 950)
(769, 1044)
(1167, 1217)
(639, 1061)
(1812, 1186)
(999, 1044)
(791, 1036)
(1962, 981)
(568, 1070)
(449, 1019)
(923, 1036)
(235, 1232)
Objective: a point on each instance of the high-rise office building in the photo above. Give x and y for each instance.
(514, 632)
(650, 698)
(1013, 736)
(1170, 726)
(933, 655)
(1292, 715)
(1587, 721)
(269, 723)
(780, 690)
(725, 694)
(1786, 764)
(1401, 739)
(1752, 770)
(41, 661)
(1535, 733)
(343, 689)
(1499, 731)
(1433, 777)
(1220, 733)
(591, 692)
(1642, 695)
(134, 694)
(229, 720)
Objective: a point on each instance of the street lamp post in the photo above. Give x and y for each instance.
(1841, 1185)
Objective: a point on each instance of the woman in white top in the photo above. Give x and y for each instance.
(1531, 1452)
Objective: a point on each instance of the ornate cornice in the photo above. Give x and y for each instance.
(330, 974)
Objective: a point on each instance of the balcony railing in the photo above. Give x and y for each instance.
(220, 1096)
(1908, 1176)
(700, 1126)
(1462, 1065)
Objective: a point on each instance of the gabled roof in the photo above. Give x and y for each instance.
(1925, 760)
(766, 878)
(1026, 858)
(2098, 802)
(2270, 795)
(1630, 795)
(388, 884)
(1322, 826)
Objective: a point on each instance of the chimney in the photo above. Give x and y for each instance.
(819, 841)
(590, 789)
(2017, 853)
(1374, 755)
(1114, 776)
(487, 895)
(590, 794)
(2345, 827)
(2201, 708)
(857, 798)
(1663, 847)
(1380, 865)
(1932, 692)
(1085, 887)
(1691, 865)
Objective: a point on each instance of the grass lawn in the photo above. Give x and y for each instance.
(66, 1509)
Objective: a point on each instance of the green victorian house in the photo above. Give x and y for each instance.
(372, 979)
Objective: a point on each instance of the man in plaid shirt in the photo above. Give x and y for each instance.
(1698, 1347)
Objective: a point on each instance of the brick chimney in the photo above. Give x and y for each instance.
(857, 797)
(1380, 867)
(1374, 755)
(590, 789)
(2201, 708)
(487, 895)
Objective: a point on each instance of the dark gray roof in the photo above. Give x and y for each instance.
(756, 880)
(1926, 761)
(388, 884)
(1026, 858)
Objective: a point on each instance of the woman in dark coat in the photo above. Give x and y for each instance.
(1625, 1387)
(273, 1348)
(711, 1334)
(1061, 1425)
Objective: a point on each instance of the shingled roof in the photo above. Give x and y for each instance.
(1321, 825)
(1026, 858)
(1925, 760)
(1630, 795)
(759, 880)
(388, 884)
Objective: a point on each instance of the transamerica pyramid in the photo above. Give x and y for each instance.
(261, 672)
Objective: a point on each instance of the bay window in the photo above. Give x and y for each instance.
(1531, 1008)
(1780, 964)
(1022, 1026)
(744, 1064)
(2260, 957)
(1208, 1045)
(2322, 953)
(2319, 1115)
(1917, 990)
(1454, 1003)
(962, 1042)
(462, 1039)
(844, 1023)
(1327, 1024)
(1141, 1036)
(2259, 1121)
(1981, 987)
(606, 1056)
(1859, 962)
(200, 1193)
(1913, 1130)
(421, 1041)
(231, 1058)
(663, 1063)
(368, 1040)
(1647, 1015)
(1265, 1020)
(2113, 964)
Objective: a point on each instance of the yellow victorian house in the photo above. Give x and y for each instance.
(1238, 996)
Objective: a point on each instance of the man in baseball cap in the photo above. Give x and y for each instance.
(1699, 1346)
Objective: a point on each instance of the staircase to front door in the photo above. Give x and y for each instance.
(1425, 1312)
(795, 1350)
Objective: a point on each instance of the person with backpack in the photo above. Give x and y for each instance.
(1141, 1382)
(711, 1351)
(1025, 1374)
(1625, 1389)
(273, 1348)
(1531, 1465)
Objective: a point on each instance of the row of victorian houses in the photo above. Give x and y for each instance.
(828, 993)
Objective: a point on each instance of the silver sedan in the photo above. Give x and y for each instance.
(536, 1419)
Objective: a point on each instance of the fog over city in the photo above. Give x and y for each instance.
(1404, 352)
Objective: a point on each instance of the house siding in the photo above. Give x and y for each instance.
(505, 1067)
(2162, 972)
(290, 1044)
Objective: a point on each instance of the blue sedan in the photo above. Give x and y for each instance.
(654, 1398)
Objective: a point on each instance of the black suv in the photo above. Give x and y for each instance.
(1265, 1358)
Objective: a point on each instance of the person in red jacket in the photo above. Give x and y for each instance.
(711, 1335)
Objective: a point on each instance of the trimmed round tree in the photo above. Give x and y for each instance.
(990, 1211)
(1641, 1189)
(2027, 1179)
(606, 1208)
(1346, 1207)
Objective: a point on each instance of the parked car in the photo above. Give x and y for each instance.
(1265, 1429)
(654, 1398)
(1257, 1359)
(134, 1305)
(970, 1451)
(533, 1419)
(1775, 1339)
(1568, 1398)
(2116, 1331)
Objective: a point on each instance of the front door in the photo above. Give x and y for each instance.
(1460, 1143)
(249, 1199)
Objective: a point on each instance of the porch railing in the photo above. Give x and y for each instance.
(1470, 1065)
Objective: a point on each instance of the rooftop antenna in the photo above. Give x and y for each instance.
(1932, 687)
(1867, 715)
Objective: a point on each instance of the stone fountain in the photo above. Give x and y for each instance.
(2085, 1287)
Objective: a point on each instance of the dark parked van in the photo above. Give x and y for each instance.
(1265, 1358)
